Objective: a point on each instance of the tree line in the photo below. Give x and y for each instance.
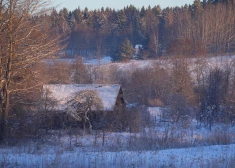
(204, 27)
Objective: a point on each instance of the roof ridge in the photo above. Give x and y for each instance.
(82, 84)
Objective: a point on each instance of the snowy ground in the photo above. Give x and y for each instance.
(106, 67)
(165, 145)
(199, 65)
(210, 157)
(103, 61)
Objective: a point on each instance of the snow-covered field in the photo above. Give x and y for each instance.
(106, 67)
(165, 145)
(202, 64)
(210, 157)
(103, 61)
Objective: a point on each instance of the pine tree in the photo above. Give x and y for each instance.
(157, 11)
(126, 50)
(121, 22)
(197, 8)
(153, 45)
(71, 21)
(77, 14)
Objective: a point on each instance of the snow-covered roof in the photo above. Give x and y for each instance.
(63, 92)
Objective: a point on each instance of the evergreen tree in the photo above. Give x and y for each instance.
(197, 8)
(54, 17)
(126, 50)
(153, 45)
(77, 15)
(121, 22)
(71, 21)
(64, 13)
(157, 11)
(98, 20)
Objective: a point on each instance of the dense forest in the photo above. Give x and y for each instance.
(205, 27)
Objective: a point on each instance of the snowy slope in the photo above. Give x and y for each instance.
(207, 64)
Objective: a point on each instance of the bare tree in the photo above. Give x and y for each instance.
(59, 72)
(181, 81)
(81, 74)
(26, 40)
(46, 113)
(81, 105)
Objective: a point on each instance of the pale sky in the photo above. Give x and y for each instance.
(117, 4)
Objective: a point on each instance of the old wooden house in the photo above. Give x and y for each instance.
(111, 103)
